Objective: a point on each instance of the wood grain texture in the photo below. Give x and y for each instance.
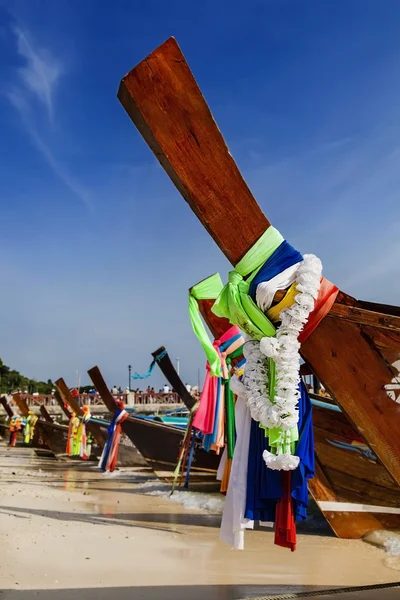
(162, 98)
(354, 374)
(365, 317)
(164, 101)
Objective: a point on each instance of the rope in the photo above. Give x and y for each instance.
(151, 367)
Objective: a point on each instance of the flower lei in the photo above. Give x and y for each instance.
(281, 411)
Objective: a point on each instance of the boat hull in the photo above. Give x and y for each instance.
(160, 443)
(56, 435)
(360, 494)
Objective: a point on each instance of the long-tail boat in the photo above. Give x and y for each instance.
(43, 439)
(128, 456)
(355, 349)
(158, 442)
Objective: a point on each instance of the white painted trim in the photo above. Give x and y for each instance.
(327, 506)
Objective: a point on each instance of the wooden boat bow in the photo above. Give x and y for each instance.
(352, 359)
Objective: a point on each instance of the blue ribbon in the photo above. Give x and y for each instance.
(229, 342)
(190, 460)
(151, 368)
(284, 257)
(110, 440)
(264, 487)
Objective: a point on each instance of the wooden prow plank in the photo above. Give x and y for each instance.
(163, 99)
(180, 129)
(362, 316)
(68, 397)
(45, 414)
(22, 404)
(7, 407)
(102, 388)
(172, 376)
(61, 403)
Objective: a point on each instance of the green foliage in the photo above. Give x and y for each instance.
(12, 381)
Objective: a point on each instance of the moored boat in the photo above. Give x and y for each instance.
(353, 347)
(159, 443)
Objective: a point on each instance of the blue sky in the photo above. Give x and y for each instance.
(98, 249)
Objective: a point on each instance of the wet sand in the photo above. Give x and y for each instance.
(68, 531)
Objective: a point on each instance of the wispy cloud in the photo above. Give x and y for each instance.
(41, 73)
(37, 79)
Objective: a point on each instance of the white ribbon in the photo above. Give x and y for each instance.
(267, 289)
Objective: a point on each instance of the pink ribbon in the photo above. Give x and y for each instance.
(204, 419)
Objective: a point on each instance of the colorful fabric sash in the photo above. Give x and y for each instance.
(29, 432)
(284, 257)
(78, 441)
(267, 491)
(151, 367)
(109, 456)
(208, 289)
(215, 415)
(15, 425)
(235, 302)
(72, 448)
(84, 447)
(323, 304)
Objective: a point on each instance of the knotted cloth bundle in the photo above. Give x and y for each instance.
(215, 415)
(72, 448)
(15, 425)
(109, 456)
(271, 375)
(30, 423)
(273, 457)
(209, 289)
(77, 441)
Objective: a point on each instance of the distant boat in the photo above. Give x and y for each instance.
(157, 441)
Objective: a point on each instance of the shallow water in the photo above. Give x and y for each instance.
(64, 524)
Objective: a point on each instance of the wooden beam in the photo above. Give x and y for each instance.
(172, 376)
(7, 407)
(365, 317)
(22, 404)
(188, 144)
(67, 397)
(62, 404)
(45, 414)
(102, 388)
(163, 99)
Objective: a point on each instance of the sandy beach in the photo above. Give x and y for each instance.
(65, 526)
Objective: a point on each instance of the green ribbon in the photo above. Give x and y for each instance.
(208, 289)
(230, 430)
(234, 302)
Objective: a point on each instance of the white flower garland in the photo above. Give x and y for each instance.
(284, 349)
